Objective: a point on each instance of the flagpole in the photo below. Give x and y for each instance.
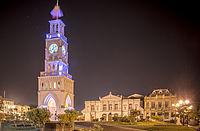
(4, 94)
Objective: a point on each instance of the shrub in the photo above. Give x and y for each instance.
(115, 118)
(132, 119)
(158, 118)
(193, 123)
(96, 128)
(124, 119)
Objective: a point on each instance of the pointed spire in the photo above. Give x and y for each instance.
(56, 12)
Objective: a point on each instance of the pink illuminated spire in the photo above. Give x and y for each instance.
(56, 12)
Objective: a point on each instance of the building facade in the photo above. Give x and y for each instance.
(111, 105)
(55, 84)
(9, 107)
(159, 103)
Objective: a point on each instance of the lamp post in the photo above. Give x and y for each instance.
(182, 105)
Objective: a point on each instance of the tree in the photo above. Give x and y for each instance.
(63, 119)
(68, 118)
(1, 103)
(38, 116)
(72, 115)
(2, 116)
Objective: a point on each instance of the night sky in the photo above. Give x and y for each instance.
(122, 46)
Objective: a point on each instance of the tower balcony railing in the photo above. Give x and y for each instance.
(56, 35)
(56, 73)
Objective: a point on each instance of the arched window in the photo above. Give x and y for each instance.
(68, 102)
(54, 85)
(104, 117)
(50, 85)
(59, 85)
(57, 28)
(53, 68)
(46, 85)
(49, 68)
(53, 28)
(42, 86)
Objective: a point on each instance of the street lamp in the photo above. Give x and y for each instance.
(182, 105)
(180, 102)
(187, 101)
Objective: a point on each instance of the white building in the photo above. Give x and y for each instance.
(111, 105)
(9, 107)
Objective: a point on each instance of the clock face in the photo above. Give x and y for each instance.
(63, 50)
(53, 48)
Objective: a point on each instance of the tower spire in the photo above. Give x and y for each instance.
(57, 2)
(56, 12)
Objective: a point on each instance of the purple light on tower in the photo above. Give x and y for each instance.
(56, 12)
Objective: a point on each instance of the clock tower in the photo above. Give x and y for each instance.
(55, 84)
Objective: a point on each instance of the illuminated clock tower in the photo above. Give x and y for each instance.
(55, 85)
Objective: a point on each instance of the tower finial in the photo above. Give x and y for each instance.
(57, 2)
(56, 12)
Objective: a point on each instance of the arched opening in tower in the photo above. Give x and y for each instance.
(52, 108)
(68, 103)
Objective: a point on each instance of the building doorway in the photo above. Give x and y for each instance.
(109, 117)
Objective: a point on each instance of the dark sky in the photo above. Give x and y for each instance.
(122, 46)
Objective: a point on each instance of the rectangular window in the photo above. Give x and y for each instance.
(124, 107)
(54, 85)
(159, 114)
(166, 104)
(136, 106)
(147, 105)
(104, 107)
(116, 106)
(92, 108)
(159, 104)
(110, 106)
(153, 114)
(152, 104)
(130, 106)
(166, 116)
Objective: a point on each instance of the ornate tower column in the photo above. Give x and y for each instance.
(55, 85)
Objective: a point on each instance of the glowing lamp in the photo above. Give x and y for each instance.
(58, 35)
(190, 107)
(173, 104)
(187, 101)
(177, 104)
(181, 102)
